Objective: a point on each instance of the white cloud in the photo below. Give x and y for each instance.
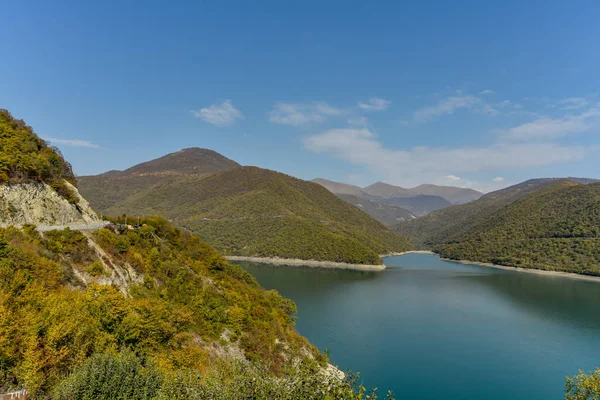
(72, 142)
(450, 104)
(498, 179)
(413, 166)
(220, 115)
(487, 91)
(452, 178)
(302, 114)
(573, 103)
(375, 104)
(545, 128)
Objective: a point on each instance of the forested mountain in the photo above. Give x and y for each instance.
(551, 224)
(113, 187)
(386, 214)
(439, 225)
(249, 211)
(556, 228)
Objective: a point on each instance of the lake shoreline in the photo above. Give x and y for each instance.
(296, 262)
(406, 252)
(562, 274)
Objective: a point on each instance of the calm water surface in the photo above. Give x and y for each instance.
(432, 329)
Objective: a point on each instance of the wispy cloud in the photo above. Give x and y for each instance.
(498, 179)
(223, 114)
(451, 104)
(302, 114)
(375, 104)
(545, 128)
(573, 103)
(487, 91)
(72, 142)
(412, 166)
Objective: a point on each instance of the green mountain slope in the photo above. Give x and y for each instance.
(250, 211)
(184, 312)
(439, 226)
(113, 187)
(556, 228)
(25, 158)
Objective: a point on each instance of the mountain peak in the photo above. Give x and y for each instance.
(193, 160)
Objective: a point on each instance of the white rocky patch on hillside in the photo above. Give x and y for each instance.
(39, 204)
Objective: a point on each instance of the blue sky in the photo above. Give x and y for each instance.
(469, 93)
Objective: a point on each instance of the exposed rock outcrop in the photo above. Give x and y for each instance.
(39, 204)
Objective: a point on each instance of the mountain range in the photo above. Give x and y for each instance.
(244, 211)
(391, 204)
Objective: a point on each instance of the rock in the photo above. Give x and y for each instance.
(39, 204)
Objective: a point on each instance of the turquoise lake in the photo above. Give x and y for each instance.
(432, 329)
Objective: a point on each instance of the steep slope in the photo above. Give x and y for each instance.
(250, 211)
(106, 190)
(158, 292)
(37, 186)
(438, 226)
(339, 188)
(384, 213)
(556, 228)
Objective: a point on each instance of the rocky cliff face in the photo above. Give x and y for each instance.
(39, 204)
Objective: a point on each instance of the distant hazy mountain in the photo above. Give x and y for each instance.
(419, 205)
(454, 195)
(387, 214)
(245, 211)
(385, 190)
(417, 201)
(339, 188)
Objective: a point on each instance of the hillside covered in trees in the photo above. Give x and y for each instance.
(249, 211)
(152, 312)
(113, 187)
(25, 158)
(543, 224)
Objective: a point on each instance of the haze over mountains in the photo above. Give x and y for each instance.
(244, 211)
(392, 204)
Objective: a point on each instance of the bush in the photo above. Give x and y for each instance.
(108, 377)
